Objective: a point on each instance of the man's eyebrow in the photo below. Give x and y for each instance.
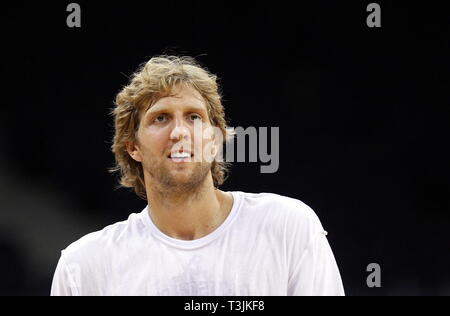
(194, 108)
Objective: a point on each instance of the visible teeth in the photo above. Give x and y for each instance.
(180, 155)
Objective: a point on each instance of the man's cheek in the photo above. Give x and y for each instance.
(212, 139)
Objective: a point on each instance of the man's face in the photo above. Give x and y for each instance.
(173, 139)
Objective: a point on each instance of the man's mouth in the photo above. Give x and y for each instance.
(179, 157)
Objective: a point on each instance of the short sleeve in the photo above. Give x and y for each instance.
(316, 272)
(64, 280)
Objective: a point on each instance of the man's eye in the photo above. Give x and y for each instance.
(194, 117)
(160, 118)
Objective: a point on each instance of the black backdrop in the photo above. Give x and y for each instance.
(363, 116)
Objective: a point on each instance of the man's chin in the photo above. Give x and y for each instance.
(180, 179)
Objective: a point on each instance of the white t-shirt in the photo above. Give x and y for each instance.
(268, 245)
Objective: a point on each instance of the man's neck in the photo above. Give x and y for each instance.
(189, 215)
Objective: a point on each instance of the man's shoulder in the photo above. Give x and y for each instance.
(280, 213)
(277, 203)
(101, 241)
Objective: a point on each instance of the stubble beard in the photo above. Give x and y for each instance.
(166, 181)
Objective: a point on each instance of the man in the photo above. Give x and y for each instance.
(192, 238)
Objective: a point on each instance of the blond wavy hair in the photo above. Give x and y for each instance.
(153, 81)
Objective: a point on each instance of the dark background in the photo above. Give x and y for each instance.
(363, 116)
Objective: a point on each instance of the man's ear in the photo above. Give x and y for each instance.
(134, 151)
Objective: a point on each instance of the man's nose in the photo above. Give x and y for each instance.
(179, 131)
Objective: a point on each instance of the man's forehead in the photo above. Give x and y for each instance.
(188, 97)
